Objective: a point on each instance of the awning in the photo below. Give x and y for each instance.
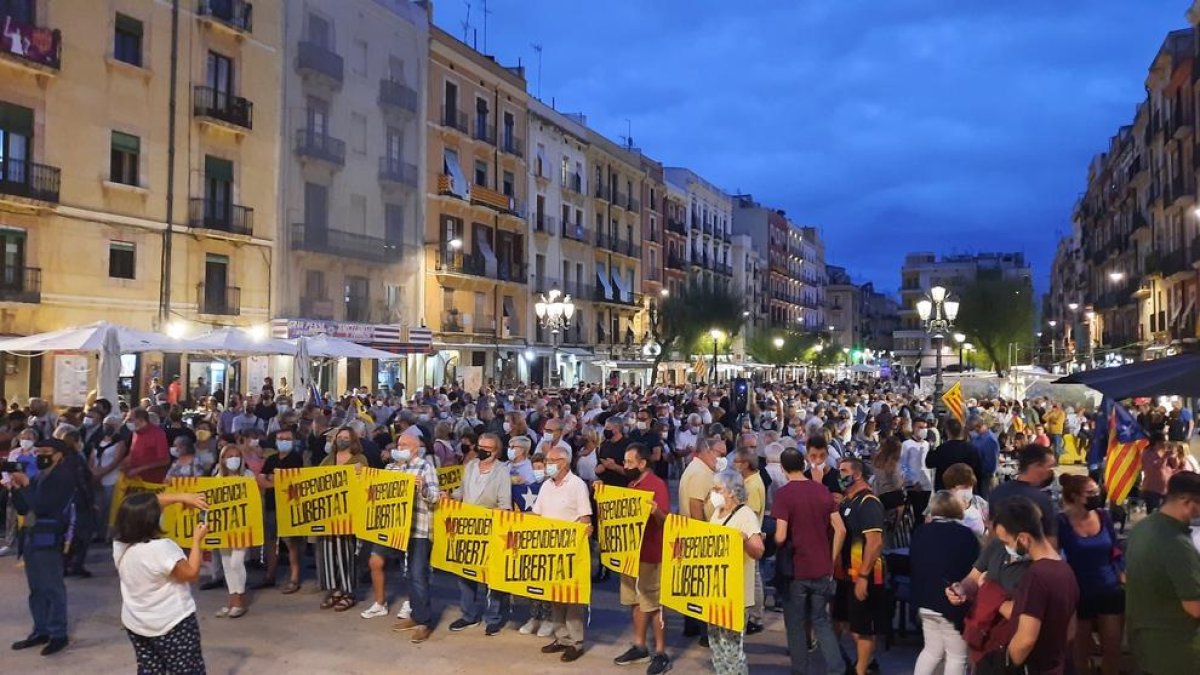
(458, 182)
(576, 351)
(605, 282)
(1170, 376)
(619, 282)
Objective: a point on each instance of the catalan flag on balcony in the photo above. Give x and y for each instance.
(1122, 460)
(953, 400)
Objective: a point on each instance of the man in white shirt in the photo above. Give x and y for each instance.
(685, 438)
(564, 496)
(553, 439)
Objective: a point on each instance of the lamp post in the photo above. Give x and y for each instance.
(1053, 343)
(938, 312)
(960, 338)
(554, 312)
(716, 334)
(778, 342)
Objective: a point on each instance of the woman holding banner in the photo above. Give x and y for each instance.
(233, 560)
(335, 553)
(728, 498)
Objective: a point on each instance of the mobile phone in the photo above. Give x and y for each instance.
(12, 467)
(204, 516)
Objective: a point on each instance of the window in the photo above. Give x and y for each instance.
(481, 118)
(220, 79)
(120, 260)
(356, 297)
(393, 222)
(127, 40)
(509, 123)
(216, 281)
(16, 137)
(509, 185)
(450, 104)
(218, 192)
(314, 285)
(317, 115)
(358, 58)
(358, 213)
(396, 69)
(320, 32)
(481, 173)
(358, 132)
(123, 156)
(395, 144)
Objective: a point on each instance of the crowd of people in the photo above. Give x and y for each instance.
(850, 497)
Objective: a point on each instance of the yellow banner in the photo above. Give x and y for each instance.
(450, 477)
(953, 399)
(540, 558)
(387, 507)
(235, 517)
(127, 486)
(316, 501)
(621, 515)
(702, 573)
(461, 534)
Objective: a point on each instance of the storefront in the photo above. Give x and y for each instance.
(411, 344)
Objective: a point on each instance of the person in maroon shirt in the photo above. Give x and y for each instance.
(806, 516)
(149, 455)
(1044, 603)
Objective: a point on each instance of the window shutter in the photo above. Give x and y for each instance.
(216, 168)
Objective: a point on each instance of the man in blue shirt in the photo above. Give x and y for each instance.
(989, 454)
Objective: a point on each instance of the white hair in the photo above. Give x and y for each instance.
(774, 452)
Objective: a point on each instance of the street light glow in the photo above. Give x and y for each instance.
(1053, 323)
(176, 329)
(1072, 306)
(716, 334)
(455, 243)
(1116, 276)
(959, 337)
(778, 343)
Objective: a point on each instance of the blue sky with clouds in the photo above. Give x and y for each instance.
(894, 126)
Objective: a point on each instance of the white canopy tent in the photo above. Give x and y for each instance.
(326, 347)
(232, 342)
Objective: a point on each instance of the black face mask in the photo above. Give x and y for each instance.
(482, 454)
(44, 462)
(1093, 502)
(608, 434)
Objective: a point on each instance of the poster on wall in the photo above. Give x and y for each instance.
(472, 378)
(257, 369)
(70, 379)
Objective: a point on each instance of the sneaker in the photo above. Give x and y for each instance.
(421, 634)
(554, 648)
(547, 629)
(753, 628)
(812, 645)
(7, 550)
(222, 613)
(462, 624)
(659, 664)
(493, 629)
(634, 654)
(530, 627)
(404, 624)
(570, 654)
(405, 611)
(54, 646)
(375, 610)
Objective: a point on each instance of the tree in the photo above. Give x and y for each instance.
(993, 313)
(682, 321)
(795, 347)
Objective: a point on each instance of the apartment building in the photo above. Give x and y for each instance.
(352, 226)
(476, 289)
(710, 228)
(1072, 331)
(750, 282)
(675, 239)
(882, 318)
(110, 206)
(812, 279)
(779, 242)
(846, 311)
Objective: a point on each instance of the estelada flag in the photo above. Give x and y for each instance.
(953, 400)
(1126, 440)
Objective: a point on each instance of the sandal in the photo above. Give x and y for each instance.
(330, 600)
(344, 603)
(290, 587)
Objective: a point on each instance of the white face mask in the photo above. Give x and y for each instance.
(401, 456)
(233, 463)
(717, 500)
(551, 470)
(642, 426)
(512, 454)
(722, 464)
(508, 427)
(539, 475)
(920, 434)
(175, 451)
(26, 444)
(965, 495)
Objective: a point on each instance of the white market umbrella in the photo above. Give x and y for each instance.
(232, 341)
(91, 338)
(110, 366)
(324, 346)
(302, 371)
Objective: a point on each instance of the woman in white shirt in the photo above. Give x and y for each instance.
(157, 608)
(110, 451)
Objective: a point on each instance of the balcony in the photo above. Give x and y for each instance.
(392, 170)
(543, 284)
(320, 62)
(218, 300)
(316, 308)
(21, 284)
(513, 146)
(576, 232)
(493, 199)
(29, 180)
(621, 199)
(602, 192)
(223, 108)
(320, 239)
(652, 273)
(634, 204)
(723, 268)
(617, 245)
(204, 214)
(615, 296)
(452, 118)
(573, 182)
(482, 132)
(398, 97)
(674, 262)
(320, 146)
(677, 226)
(544, 224)
(456, 321)
(476, 265)
(30, 47)
(233, 15)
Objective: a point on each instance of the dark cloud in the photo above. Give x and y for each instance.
(951, 126)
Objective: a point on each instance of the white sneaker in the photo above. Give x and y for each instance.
(530, 627)
(374, 610)
(547, 629)
(405, 611)
(7, 550)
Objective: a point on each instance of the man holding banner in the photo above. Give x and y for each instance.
(406, 456)
(641, 592)
(485, 483)
(564, 496)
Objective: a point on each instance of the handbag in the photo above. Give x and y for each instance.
(997, 663)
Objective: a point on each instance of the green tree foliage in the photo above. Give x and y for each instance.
(993, 313)
(796, 347)
(683, 321)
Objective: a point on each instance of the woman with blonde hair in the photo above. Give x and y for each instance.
(335, 553)
(1187, 461)
(233, 560)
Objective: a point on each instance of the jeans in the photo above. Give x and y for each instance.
(419, 551)
(808, 599)
(568, 618)
(47, 592)
(480, 602)
(1056, 442)
(942, 641)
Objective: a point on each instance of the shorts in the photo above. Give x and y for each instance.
(1103, 603)
(644, 590)
(866, 617)
(386, 552)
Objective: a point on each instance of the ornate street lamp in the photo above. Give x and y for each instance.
(938, 312)
(554, 312)
(716, 334)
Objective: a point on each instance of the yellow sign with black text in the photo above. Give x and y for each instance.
(450, 477)
(234, 516)
(127, 486)
(387, 507)
(621, 515)
(540, 558)
(702, 573)
(316, 501)
(462, 535)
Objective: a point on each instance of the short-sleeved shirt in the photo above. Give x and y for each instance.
(756, 494)
(279, 460)
(1048, 593)
(152, 602)
(652, 536)
(805, 506)
(862, 513)
(1019, 488)
(567, 501)
(744, 521)
(695, 483)
(614, 450)
(1163, 569)
(994, 561)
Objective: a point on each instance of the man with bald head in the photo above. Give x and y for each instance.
(406, 456)
(564, 496)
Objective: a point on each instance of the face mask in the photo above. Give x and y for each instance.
(845, 482)
(483, 455)
(26, 444)
(717, 500)
(722, 464)
(512, 454)
(539, 475)
(89, 422)
(1093, 502)
(203, 435)
(44, 462)
(254, 442)
(920, 434)
(175, 451)
(1012, 551)
(233, 463)
(401, 456)
(343, 444)
(283, 446)
(551, 470)
(608, 434)
(642, 426)
(130, 426)
(423, 417)
(706, 417)
(508, 427)
(1021, 550)
(965, 495)
(328, 447)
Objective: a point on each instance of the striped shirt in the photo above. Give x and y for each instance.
(426, 499)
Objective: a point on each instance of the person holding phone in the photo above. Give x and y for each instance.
(157, 608)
